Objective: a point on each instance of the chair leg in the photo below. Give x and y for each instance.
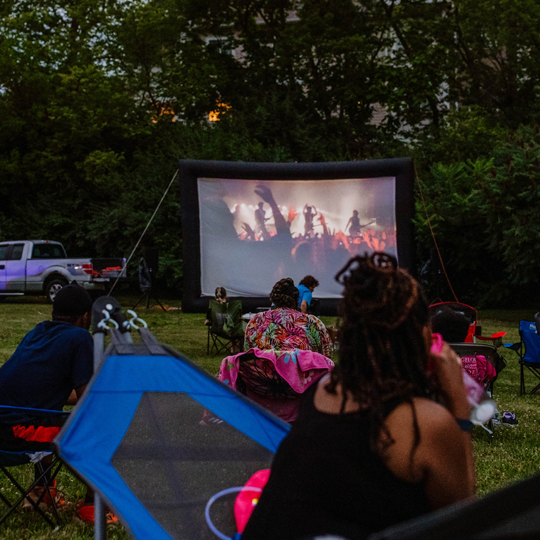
(536, 373)
(58, 464)
(55, 467)
(218, 345)
(238, 344)
(5, 500)
(23, 496)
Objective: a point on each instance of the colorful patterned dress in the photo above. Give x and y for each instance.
(287, 329)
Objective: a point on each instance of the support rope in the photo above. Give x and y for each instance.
(145, 229)
(433, 234)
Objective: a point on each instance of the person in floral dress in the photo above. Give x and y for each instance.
(286, 328)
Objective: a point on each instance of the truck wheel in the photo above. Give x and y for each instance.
(53, 287)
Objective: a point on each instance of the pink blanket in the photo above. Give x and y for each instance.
(300, 369)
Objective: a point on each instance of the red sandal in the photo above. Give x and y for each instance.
(85, 512)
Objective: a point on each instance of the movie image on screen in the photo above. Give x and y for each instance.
(255, 232)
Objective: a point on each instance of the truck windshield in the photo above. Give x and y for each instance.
(48, 251)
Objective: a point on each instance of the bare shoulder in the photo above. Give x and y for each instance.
(408, 457)
(429, 415)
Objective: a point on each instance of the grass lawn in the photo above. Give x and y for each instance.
(511, 455)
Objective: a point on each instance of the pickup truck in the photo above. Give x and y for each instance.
(41, 267)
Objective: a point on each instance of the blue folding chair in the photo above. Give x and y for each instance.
(528, 349)
(140, 438)
(47, 472)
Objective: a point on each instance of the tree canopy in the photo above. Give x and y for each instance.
(99, 98)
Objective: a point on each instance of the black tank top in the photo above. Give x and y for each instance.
(326, 480)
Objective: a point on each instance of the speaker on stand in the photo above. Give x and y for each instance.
(148, 268)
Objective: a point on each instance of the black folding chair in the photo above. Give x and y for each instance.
(45, 478)
(507, 514)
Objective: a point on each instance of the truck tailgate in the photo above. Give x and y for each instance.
(110, 267)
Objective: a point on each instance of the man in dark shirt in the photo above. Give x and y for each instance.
(49, 369)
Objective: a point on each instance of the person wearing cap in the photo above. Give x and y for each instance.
(49, 369)
(54, 359)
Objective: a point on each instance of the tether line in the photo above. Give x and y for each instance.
(432, 233)
(144, 232)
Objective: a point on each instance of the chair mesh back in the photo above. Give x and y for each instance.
(226, 318)
(174, 459)
(260, 376)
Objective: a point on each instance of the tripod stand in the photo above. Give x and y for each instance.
(146, 294)
(145, 283)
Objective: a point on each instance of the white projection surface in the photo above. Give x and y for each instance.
(254, 232)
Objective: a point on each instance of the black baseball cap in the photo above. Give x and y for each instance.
(72, 301)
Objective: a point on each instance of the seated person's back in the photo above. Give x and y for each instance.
(454, 327)
(285, 328)
(49, 369)
(53, 360)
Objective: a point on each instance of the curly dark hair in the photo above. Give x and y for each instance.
(452, 325)
(285, 294)
(383, 355)
(309, 281)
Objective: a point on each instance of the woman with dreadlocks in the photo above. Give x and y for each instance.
(382, 438)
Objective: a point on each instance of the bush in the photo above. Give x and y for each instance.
(484, 215)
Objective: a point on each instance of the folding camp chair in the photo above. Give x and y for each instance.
(266, 377)
(528, 349)
(47, 472)
(488, 351)
(259, 380)
(226, 331)
(506, 514)
(474, 332)
(154, 461)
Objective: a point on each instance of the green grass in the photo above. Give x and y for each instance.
(511, 455)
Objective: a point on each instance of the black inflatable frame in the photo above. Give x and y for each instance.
(190, 170)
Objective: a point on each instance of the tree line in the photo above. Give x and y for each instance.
(100, 98)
